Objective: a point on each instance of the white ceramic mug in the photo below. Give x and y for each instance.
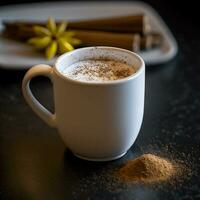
(96, 120)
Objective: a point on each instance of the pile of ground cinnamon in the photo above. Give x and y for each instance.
(147, 168)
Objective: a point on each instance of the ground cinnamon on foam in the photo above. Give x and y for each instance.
(98, 70)
(147, 168)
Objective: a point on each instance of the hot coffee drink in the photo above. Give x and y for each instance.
(98, 70)
(99, 101)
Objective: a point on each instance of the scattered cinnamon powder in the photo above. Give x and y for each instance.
(147, 168)
(116, 178)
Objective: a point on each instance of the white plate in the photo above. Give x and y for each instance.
(14, 55)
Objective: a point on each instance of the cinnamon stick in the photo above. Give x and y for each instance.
(129, 41)
(128, 24)
(123, 24)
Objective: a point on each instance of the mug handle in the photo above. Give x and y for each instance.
(37, 107)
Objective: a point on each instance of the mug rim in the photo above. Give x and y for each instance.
(110, 82)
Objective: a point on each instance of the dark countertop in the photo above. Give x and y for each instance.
(35, 165)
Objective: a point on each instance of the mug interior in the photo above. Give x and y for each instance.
(99, 53)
